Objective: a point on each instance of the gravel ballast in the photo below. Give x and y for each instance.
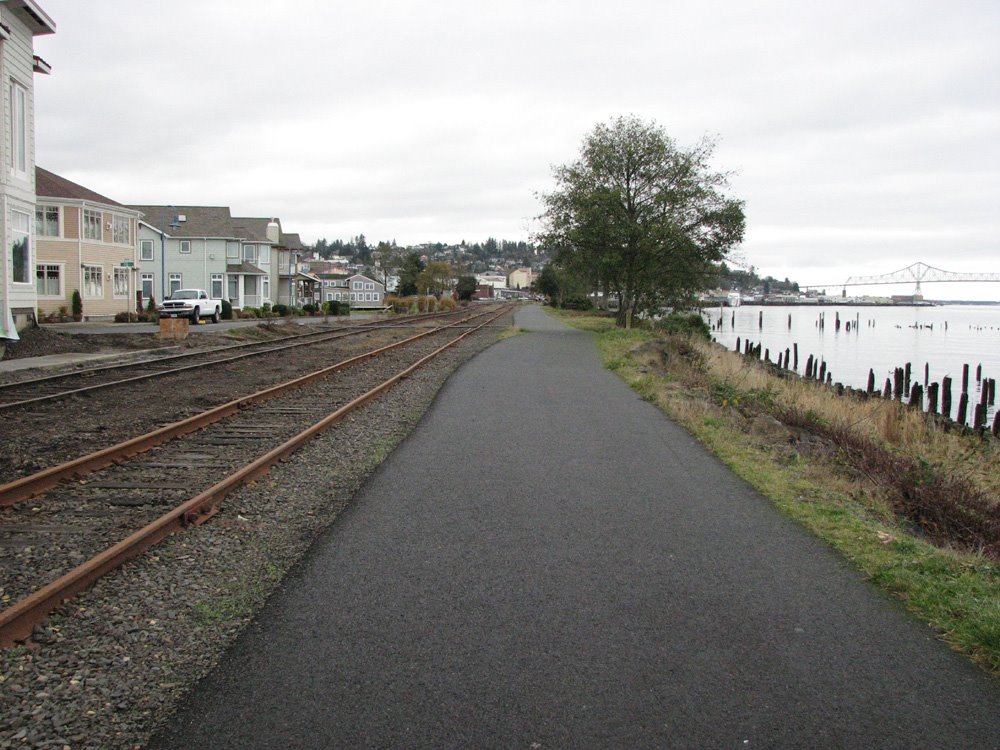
(106, 670)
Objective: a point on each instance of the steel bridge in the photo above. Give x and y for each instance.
(917, 272)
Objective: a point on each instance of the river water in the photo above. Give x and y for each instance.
(945, 338)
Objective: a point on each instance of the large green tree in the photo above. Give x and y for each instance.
(640, 217)
(410, 268)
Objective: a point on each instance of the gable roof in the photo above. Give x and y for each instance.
(50, 185)
(292, 241)
(200, 221)
(253, 228)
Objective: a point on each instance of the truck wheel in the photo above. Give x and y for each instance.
(215, 316)
(196, 316)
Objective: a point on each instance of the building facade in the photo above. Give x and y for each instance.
(202, 247)
(361, 292)
(84, 242)
(20, 22)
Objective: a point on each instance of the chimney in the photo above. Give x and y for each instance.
(273, 231)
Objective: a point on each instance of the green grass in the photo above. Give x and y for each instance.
(241, 599)
(957, 593)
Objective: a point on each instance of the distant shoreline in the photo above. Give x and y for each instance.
(854, 303)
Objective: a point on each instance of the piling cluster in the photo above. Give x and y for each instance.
(900, 387)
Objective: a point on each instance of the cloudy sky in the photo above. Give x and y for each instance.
(865, 136)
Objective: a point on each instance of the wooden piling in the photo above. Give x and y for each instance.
(738, 344)
(822, 371)
(965, 378)
(932, 397)
(996, 424)
(927, 373)
(789, 321)
(809, 367)
(946, 396)
(795, 349)
(963, 408)
(979, 420)
(917, 396)
(887, 390)
(871, 382)
(979, 372)
(760, 320)
(907, 376)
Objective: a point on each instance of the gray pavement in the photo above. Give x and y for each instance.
(548, 562)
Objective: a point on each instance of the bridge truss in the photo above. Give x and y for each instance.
(917, 272)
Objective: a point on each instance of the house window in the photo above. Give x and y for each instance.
(145, 249)
(234, 288)
(330, 296)
(121, 282)
(265, 254)
(216, 286)
(358, 285)
(375, 297)
(91, 225)
(93, 282)
(18, 129)
(147, 286)
(20, 248)
(249, 253)
(47, 221)
(185, 246)
(173, 282)
(122, 230)
(265, 289)
(48, 280)
(233, 250)
(354, 297)
(369, 285)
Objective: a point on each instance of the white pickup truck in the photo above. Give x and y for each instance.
(191, 303)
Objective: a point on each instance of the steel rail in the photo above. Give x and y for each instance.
(17, 621)
(34, 484)
(317, 338)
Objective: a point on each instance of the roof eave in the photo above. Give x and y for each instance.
(38, 21)
(40, 66)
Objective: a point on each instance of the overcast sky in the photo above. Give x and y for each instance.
(865, 135)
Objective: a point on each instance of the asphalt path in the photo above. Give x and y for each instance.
(549, 562)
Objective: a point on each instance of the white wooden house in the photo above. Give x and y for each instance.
(20, 22)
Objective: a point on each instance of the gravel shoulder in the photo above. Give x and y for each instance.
(107, 669)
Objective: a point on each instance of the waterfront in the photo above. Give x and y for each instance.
(880, 338)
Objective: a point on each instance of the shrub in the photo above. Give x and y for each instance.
(689, 324)
(265, 310)
(123, 317)
(446, 304)
(77, 305)
(308, 308)
(280, 309)
(227, 309)
(577, 302)
(151, 305)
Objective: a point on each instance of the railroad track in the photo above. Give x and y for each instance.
(74, 534)
(49, 432)
(33, 391)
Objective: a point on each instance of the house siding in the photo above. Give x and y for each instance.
(18, 190)
(70, 253)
